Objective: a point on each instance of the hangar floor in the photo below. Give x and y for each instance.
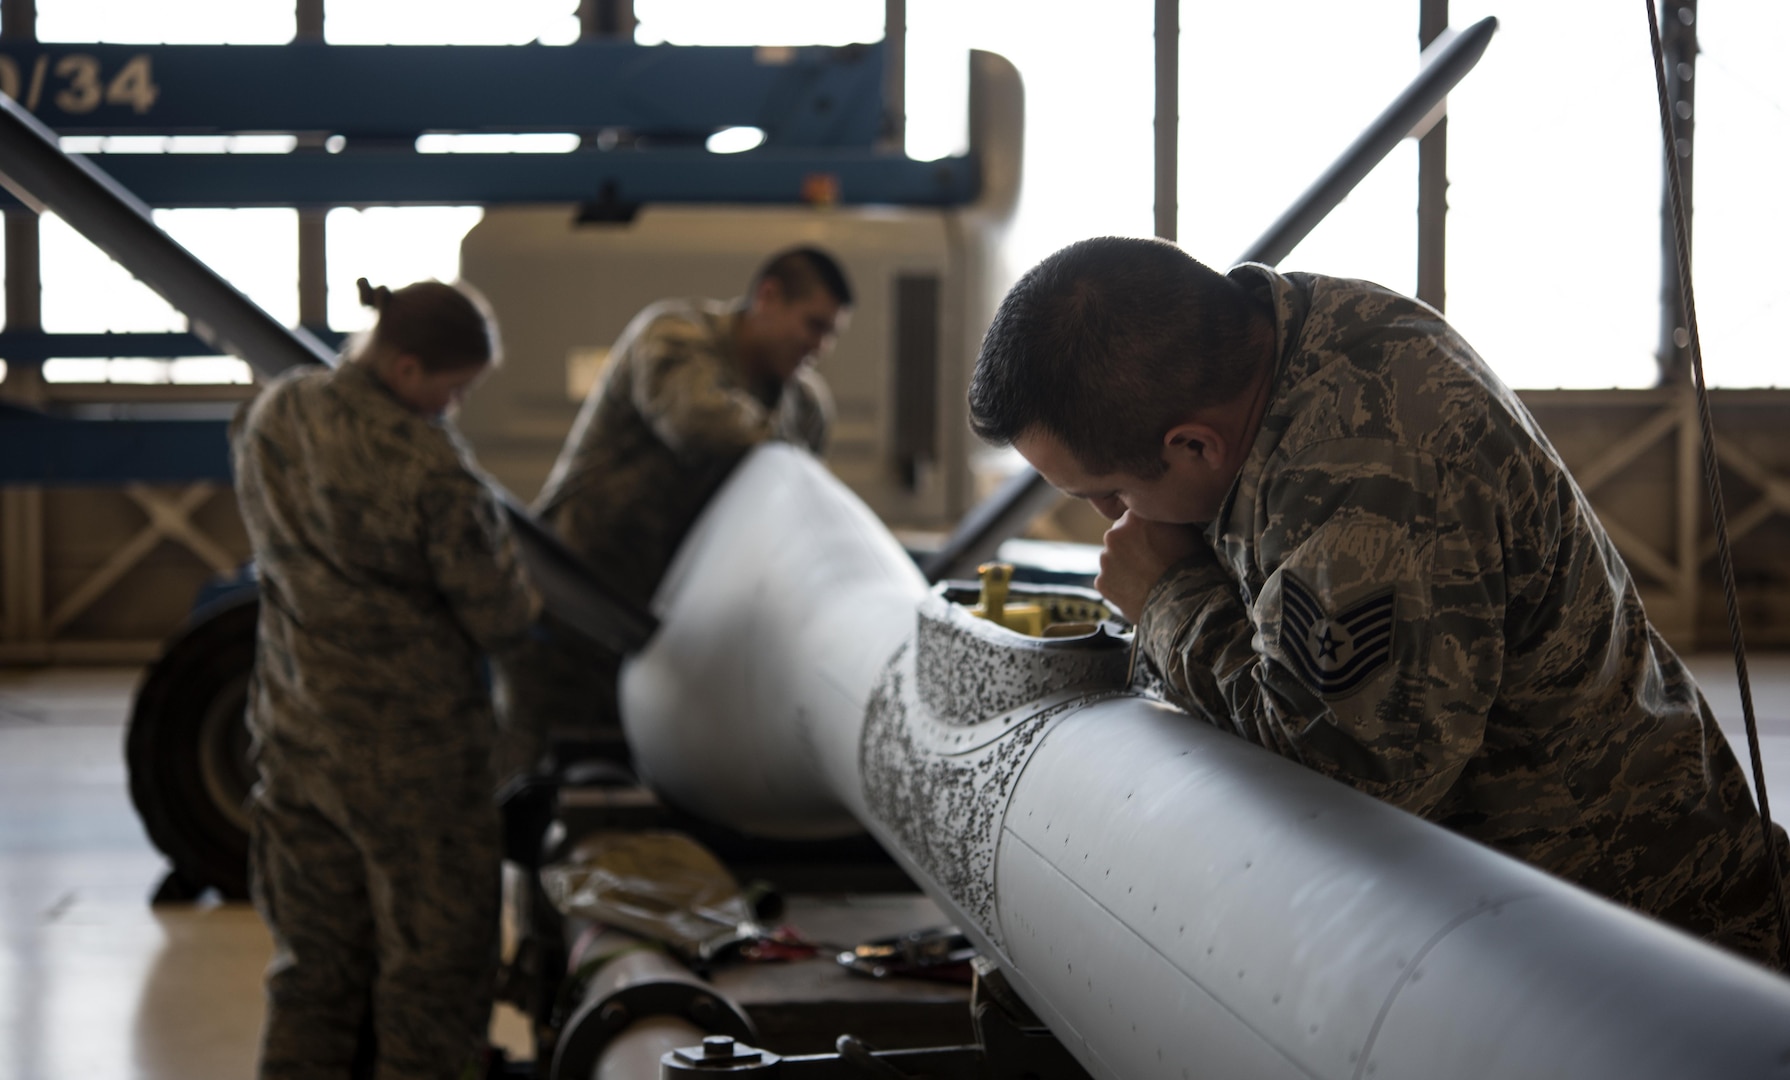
(96, 982)
(93, 980)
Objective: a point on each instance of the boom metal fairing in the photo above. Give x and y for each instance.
(1169, 898)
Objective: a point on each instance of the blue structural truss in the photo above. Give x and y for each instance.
(54, 451)
(643, 115)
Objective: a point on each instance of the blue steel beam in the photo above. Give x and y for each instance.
(809, 97)
(49, 450)
(30, 348)
(402, 177)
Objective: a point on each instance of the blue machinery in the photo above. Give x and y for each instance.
(643, 114)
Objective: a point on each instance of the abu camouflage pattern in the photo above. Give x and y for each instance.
(668, 420)
(670, 417)
(1406, 591)
(386, 570)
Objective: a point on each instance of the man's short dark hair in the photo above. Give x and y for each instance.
(799, 271)
(1107, 345)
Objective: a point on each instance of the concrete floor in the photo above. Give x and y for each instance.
(94, 982)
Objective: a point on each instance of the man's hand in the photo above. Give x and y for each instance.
(1137, 554)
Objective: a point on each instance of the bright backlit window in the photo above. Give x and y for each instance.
(735, 140)
(84, 291)
(391, 246)
(450, 22)
(533, 143)
(772, 22)
(175, 22)
(1742, 222)
(1553, 234)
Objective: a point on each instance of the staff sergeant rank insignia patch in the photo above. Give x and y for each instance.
(1334, 653)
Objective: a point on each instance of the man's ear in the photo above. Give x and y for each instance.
(768, 293)
(1199, 442)
(406, 367)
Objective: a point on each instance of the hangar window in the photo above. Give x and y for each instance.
(1553, 265)
(189, 22)
(450, 22)
(778, 22)
(84, 291)
(525, 143)
(1553, 228)
(1742, 220)
(390, 245)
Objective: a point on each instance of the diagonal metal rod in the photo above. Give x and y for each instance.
(34, 168)
(1712, 474)
(1411, 113)
(36, 171)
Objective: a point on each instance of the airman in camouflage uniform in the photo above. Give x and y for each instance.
(386, 569)
(1398, 584)
(672, 416)
(690, 386)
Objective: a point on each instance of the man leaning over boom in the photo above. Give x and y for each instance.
(1343, 538)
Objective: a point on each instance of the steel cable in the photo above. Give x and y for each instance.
(1712, 473)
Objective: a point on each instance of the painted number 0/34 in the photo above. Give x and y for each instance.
(78, 85)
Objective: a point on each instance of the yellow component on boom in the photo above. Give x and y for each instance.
(1021, 618)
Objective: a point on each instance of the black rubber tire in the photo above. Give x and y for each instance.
(187, 746)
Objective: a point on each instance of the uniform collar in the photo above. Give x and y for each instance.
(1290, 300)
(768, 391)
(361, 385)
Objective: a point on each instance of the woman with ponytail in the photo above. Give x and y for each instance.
(387, 574)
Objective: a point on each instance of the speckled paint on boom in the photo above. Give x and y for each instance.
(1172, 900)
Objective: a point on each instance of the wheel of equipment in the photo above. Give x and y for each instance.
(187, 747)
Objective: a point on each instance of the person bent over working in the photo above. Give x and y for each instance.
(386, 569)
(1343, 538)
(691, 385)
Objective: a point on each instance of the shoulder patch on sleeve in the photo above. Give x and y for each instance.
(1334, 652)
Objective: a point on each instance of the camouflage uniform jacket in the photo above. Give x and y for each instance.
(670, 418)
(1406, 591)
(386, 568)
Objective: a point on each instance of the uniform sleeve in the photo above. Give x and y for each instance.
(807, 411)
(684, 390)
(474, 562)
(1374, 650)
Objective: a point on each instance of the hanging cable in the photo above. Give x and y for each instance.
(1712, 474)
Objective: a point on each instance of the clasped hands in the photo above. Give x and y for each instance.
(1136, 555)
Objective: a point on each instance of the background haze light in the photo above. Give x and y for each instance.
(528, 143)
(84, 291)
(777, 22)
(391, 246)
(1554, 160)
(735, 140)
(1742, 221)
(175, 22)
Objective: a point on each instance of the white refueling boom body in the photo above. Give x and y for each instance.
(1172, 900)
